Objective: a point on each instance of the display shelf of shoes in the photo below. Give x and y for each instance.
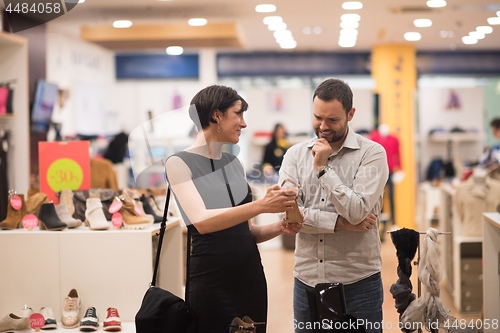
(491, 267)
(108, 268)
(14, 68)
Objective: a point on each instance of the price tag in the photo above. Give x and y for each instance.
(117, 220)
(64, 173)
(16, 202)
(138, 210)
(37, 321)
(30, 221)
(115, 206)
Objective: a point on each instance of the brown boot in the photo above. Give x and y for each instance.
(14, 217)
(130, 218)
(35, 201)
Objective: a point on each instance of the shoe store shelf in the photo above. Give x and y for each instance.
(109, 268)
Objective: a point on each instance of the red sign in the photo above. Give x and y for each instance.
(117, 220)
(30, 221)
(37, 321)
(63, 165)
(16, 202)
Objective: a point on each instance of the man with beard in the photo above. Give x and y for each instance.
(342, 177)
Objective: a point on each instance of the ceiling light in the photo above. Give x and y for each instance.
(436, 3)
(283, 39)
(443, 33)
(352, 5)
(412, 36)
(272, 19)
(197, 22)
(122, 24)
(350, 17)
(306, 30)
(175, 50)
(469, 40)
(265, 8)
(494, 20)
(349, 24)
(347, 43)
(81, 1)
(498, 13)
(288, 45)
(317, 30)
(422, 23)
(476, 35)
(348, 32)
(277, 26)
(485, 29)
(282, 33)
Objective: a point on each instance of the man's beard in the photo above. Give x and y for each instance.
(335, 137)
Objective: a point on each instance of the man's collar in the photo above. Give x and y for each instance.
(350, 141)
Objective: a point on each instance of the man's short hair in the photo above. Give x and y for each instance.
(332, 89)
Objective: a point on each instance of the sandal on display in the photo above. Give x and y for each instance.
(48, 219)
(94, 215)
(14, 216)
(295, 215)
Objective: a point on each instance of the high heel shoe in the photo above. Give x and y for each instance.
(48, 218)
(65, 216)
(94, 215)
(14, 217)
(149, 210)
(295, 215)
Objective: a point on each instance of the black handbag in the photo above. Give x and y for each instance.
(161, 311)
(328, 308)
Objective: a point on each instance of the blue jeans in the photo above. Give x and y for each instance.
(364, 301)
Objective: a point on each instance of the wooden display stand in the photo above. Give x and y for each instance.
(109, 268)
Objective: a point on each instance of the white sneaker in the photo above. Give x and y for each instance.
(71, 310)
(26, 312)
(50, 319)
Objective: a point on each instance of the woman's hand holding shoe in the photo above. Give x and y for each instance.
(278, 200)
(291, 228)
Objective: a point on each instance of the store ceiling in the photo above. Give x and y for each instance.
(382, 21)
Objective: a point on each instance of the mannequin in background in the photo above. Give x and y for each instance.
(391, 146)
(273, 154)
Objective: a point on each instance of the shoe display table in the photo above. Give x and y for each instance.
(491, 269)
(108, 268)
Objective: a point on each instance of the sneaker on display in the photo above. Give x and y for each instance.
(50, 319)
(13, 322)
(89, 322)
(112, 321)
(26, 312)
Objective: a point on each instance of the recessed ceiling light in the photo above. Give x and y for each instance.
(175, 50)
(412, 36)
(436, 3)
(268, 8)
(476, 35)
(282, 33)
(122, 24)
(283, 39)
(469, 40)
(348, 32)
(498, 13)
(197, 22)
(443, 33)
(349, 24)
(317, 30)
(485, 29)
(288, 45)
(350, 17)
(306, 30)
(494, 20)
(277, 26)
(352, 5)
(347, 43)
(422, 23)
(272, 19)
(81, 1)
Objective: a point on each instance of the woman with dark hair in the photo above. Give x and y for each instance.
(226, 275)
(117, 148)
(275, 149)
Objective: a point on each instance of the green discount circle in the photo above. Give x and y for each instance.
(64, 173)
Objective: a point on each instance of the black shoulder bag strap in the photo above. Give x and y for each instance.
(160, 241)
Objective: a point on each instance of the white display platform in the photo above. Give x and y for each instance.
(108, 268)
(491, 268)
(127, 327)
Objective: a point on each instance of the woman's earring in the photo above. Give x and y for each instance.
(219, 130)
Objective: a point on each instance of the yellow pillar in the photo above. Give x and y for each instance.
(395, 74)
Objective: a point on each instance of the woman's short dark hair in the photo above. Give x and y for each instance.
(210, 99)
(495, 123)
(332, 89)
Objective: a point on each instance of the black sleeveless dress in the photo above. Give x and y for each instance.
(226, 274)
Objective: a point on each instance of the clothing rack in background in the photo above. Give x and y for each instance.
(419, 284)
